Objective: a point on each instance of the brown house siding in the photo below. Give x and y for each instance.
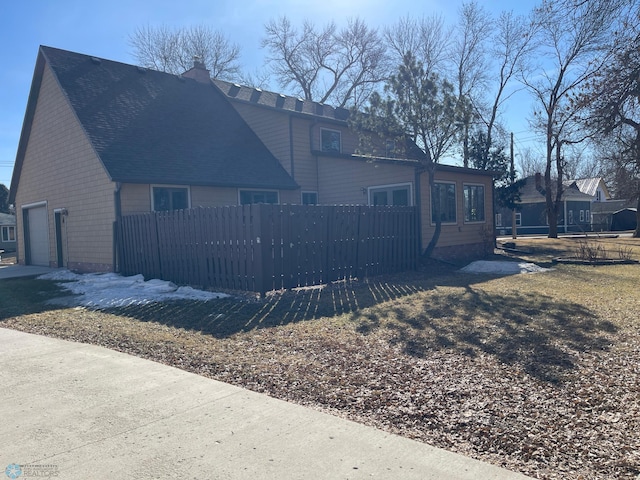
(345, 181)
(462, 239)
(62, 167)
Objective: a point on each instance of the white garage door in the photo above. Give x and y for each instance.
(38, 236)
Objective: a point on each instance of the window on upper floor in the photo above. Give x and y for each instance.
(330, 141)
(399, 195)
(390, 147)
(474, 203)
(8, 234)
(258, 196)
(443, 196)
(170, 198)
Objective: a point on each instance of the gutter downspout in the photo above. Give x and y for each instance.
(117, 205)
(418, 203)
(291, 146)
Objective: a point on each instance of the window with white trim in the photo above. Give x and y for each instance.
(443, 196)
(473, 203)
(169, 198)
(582, 215)
(330, 140)
(398, 195)
(258, 196)
(518, 219)
(8, 233)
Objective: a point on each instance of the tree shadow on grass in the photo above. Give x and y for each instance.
(25, 295)
(541, 334)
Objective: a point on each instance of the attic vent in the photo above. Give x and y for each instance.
(280, 100)
(320, 109)
(237, 85)
(96, 60)
(299, 102)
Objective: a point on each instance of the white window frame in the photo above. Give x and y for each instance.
(484, 203)
(581, 216)
(6, 233)
(390, 188)
(308, 192)
(455, 187)
(322, 130)
(518, 219)
(174, 187)
(240, 190)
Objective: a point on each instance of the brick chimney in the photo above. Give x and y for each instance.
(198, 72)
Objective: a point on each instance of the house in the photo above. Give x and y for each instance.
(531, 214)
(7, 232)
(103, 139)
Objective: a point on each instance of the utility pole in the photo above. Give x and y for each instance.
(512, 173)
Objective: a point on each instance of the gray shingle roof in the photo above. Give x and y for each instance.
(153, 127)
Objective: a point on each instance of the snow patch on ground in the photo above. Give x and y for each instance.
(502, 267)
(106, 290)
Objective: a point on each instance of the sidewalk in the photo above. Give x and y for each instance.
(83, 411)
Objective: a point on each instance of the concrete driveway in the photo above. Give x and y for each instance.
(14, 271)
(77, 411)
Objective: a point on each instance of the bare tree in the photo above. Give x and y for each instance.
(341, 66)
(571, 37)
(427, 39)
(511, 49)
(530, 163)
(469, 58)
(173, 50)
(614, 101)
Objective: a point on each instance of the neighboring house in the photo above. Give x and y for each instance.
(7, 232)
(531, 214)
(103, 139)
(594, 187)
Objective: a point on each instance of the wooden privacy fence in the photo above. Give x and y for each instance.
(268, 247)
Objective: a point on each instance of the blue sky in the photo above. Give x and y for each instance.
(102, 29)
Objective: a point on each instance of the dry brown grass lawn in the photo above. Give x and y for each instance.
(538, 373)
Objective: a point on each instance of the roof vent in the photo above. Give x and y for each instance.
(255, 95)
(234, 90)
(96, 60)
(142, 70)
